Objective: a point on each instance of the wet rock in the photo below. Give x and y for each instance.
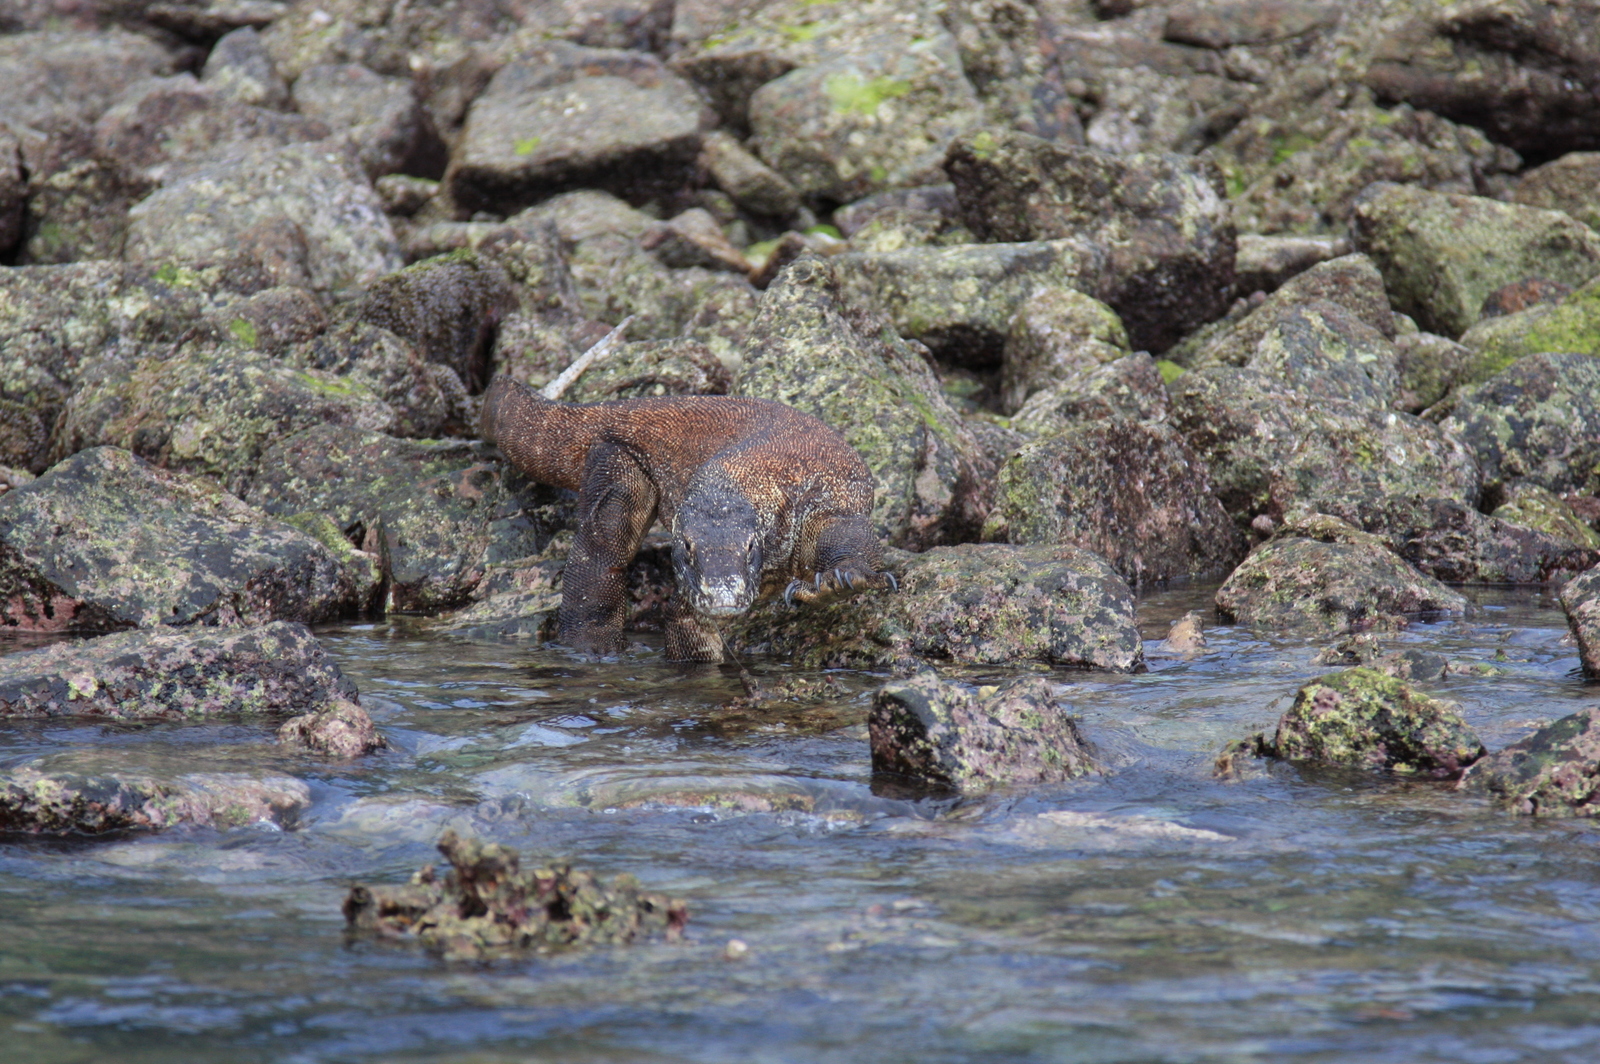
(79, 213)
(340, 729)
(437, 514)
(162, 674)
(105, 541)
(238, 68)
(694, 238)
(209, 211)
(380, 118)
(1537, 420)
(1265, 262)
(1224, 25)
(1367, 719)
(969, 740)
(1527, 73)
(208, 409)
(1057, 334)
(1131, 387)
(1554, 772)
(1441, 255)
(1580, 597)
(1132, 492)
(566, 117)
(1428, 368)
(1269, 446)
(960, 301)
(1571, 325)
(1161, 219)
(54, 80)
(70, 803)
(1346, 578)
(753, 184)
(807, 350)
(1570, 184)
(488, 906)
(975, 604)
(1186, 635)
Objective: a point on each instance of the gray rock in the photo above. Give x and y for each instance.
(651, 368)
(753, 184)
(1057, 334)
(1131, 387)
(1580, 597)
(79, 213)
(1428, 368)
(428, 399)
(694, 238)
(1555, 772)
(105, 541)
(73, 803)
(208, 212)
(1226, 24)
(1132, 492)
(1537, 420)
(1161, 219)
(193, 674)
(380, 118)
(1571, 326)
(974, 604)
(1442, 255)
(1265, 262)
(238, 68)
(1570, 184)
(55, 80)
(273, 320)
(340, 729)
(956, 738)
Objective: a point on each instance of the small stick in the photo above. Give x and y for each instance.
(556, 388)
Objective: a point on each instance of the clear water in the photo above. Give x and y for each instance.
(1150, 914)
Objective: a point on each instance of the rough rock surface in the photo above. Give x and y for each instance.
(379, 118)
(162, 674)
(68, 803)
(1570, 184)
(55, 79)
(1580, 597)
(970, 740)
(1056, 334)
(105, 541)
(340, 729)
(1537, 420)
(1553, 772)
(1131, 387)
(973, 604)
(1570, 326)
(1132, 492)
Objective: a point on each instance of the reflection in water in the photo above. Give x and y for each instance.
(1148, 914)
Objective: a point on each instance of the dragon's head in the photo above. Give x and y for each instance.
(717, 551)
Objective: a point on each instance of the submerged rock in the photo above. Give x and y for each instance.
(340, 729)
(70, 803)
(1365, 718)
(1553, 772)
(486, 905)
(971, 740)
(105, 541)
(977, 604)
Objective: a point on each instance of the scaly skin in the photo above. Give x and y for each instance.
(759, 498)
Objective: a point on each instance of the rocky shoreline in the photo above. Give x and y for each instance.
(1107, 295)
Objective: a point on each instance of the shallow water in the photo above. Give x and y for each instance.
(1152, 913)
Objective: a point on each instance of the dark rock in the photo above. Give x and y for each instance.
(1537, 420)
(69, 803)
(379, 118)
(340, 729)
(1346, 578)
(273, 320)
(195, 674)
(13, 191)
(1570, 184)
(1580, 597)
(210, 19)
(1553, 772)
(487, 906)
(1543, 510)
(753, 184)
(54, 80)
(956, 738)
(79, 213)
(1162, 220)
(1132, 492)
(1442, 255)
(1224, 25)
(694, 238)
(1428, 368)
(105, 541)
(1057, 334)
(1521, 295)
(1131, 387)
(1265, 262)
(975, 604)
(239, 68)
(927, 199)
(1364, 718)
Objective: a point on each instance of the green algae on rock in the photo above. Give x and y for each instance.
(974, 604)
(1570, 326)
(1537, 420)
(1058, 333)
(1544, 511)
(970, 740)
(487, 905)
(69, 803)
(1365, 718)
(1553, 772)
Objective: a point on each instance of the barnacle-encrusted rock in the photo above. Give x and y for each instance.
(1553, 772)
(488, 905)
(970, 740)
(164, 674)
(975, 604)
(43, 802)
(339, 729)
(106, 541)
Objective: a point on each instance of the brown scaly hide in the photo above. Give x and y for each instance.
(757, 496)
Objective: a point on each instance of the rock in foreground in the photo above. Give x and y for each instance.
(486, 905)
(1553, 772)
(41, 803)
(970, 740)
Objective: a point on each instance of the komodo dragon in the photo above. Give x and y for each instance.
(758, 497)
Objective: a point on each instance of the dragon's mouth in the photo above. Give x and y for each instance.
(725, 597)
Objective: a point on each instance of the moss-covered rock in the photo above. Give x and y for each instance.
(1131, 387)
(105, 541)
(1580, 597)
(239, 68)
(488, 906)
(985, 604)
(1554, 772)
(1428, 368)
(1536, 420)
(1132, 492)
(1162, 221)
(1544, 511)
(1442, 254)
(1057, 334)
(1570, 184)
(1365, 718)
(79, 212)
(195, 674)
(753, 184)
(39, 802)
(1569, 326)
(428, 398)
(953, 737)
(1347, 578)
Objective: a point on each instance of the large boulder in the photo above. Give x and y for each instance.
(969, 740)
(1162, 219)
(1442, 254)
(1554, 772)
(1132, 492)
(1537, 420)
(1131, 387)
(1057, 334)
(973, 604)
(105, 541)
